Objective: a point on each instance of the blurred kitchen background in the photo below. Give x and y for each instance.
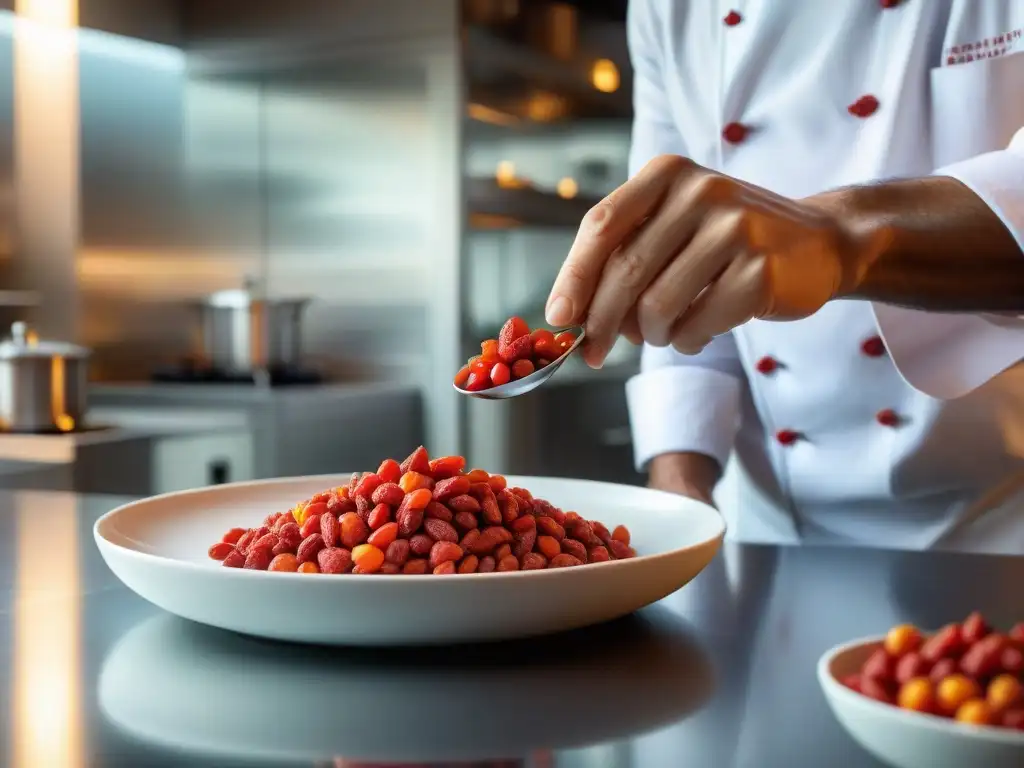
(266, 234)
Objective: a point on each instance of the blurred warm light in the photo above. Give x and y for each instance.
(485, 114)
(605, 76)
(47, 697)
(567, 188)
(544, 107)
(58, 407)
(57, 13)
(505, 176)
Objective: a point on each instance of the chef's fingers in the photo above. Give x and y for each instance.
(602, 231)
(740, 294)
(637, 263)
(721, 237)
(631, 327)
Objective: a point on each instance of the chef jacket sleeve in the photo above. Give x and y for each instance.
(677, 402)
(949, 355)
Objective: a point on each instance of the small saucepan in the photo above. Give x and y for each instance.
(43, 384)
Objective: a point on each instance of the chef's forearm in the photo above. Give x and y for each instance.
(929, 244)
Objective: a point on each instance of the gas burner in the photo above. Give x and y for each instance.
(279, 377)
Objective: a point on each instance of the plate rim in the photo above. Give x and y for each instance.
(105, 545)
(833, 687)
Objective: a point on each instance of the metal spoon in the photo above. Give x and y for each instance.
(535, 379)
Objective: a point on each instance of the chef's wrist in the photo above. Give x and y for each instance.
(687, 472)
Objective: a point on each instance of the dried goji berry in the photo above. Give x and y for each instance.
(235, 559)
(507, 563)
(232, 536)
(513, 328)
(502, 535)
(334, 560)
(510, 509)
(446, 568)
(310, 547)
(363, 507)
(571, 519)
(575, 548)
(489, 506)
(477, 476)
(439, 530)
(974, 628)
(565, 339)
(601, 531)
(220, 550)
(1012, 660)
(282, 521)
(368, 558)
(489, 350)
(245, 540)
(270, 519)
(450, 486)
(548, 527)
(418, 499)
(465, 521)
(380, 515)
(598, 555)
(522, 368)
(464, 503)
(286, 562)
(313, 510)
(309, 567)
(353, 530)
(477, 382)
(288, 539)
(267, 541)
(462, 377)
(619, 550)
(339, 505)
(409, 521)
(439, 511)
(367, 484)
(310, 525)
(524, 524)
(420, 544)
(258, 559)
(542, 508)
(563, 561)
(467, 541)
(524, 542)
(468, 564)
(446, 466)
(413, 481)
(397, 551)
(532, 561)
(389, 569)
(621, 533)
(500, 374)
(582, 531)
(503, 551)
(417, 461)
(388, 493)
(518, 350)
(383, 536)
(549, 546)
(443, 551)
(487, 564)
(416, 566)
(321, 496)
(329, 530)
(389, 471)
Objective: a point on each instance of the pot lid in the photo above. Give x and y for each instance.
(240, 298)
(24, 343)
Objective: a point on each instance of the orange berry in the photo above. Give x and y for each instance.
(916, 694)
(418, 499)
(285, 562)
(309, 567)
(497, 482)
(1004, 692)
(383, 536)
(975, 711)
(412, 481)
(953, 691)
(368, 558)
(902, 639)
(477, 476)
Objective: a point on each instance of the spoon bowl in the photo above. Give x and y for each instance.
(535, 379)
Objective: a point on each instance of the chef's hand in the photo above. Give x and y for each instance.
(689, 474)
(680, 254)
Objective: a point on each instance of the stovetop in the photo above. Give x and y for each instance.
(186, 373)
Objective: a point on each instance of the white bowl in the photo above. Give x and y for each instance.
(494, 701)
(158, 548)
(907, 739)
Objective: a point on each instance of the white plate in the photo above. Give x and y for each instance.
(906, 739)
(158, 548)
(608, 683)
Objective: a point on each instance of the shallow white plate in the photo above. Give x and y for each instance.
(908, 739)
(158, 548)
(603, 684)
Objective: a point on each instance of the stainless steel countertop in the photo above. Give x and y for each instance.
(721, 674)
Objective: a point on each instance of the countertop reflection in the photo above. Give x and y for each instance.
(720, 674)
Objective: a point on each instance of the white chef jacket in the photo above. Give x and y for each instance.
(864, 422)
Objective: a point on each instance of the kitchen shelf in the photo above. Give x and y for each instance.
(494, 207)
(500, 66)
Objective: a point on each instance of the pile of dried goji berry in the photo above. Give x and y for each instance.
(517, 352)
(418, 517)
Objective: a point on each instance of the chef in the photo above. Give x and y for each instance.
(757, 126)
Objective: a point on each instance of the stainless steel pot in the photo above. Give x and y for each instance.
(43, 384)
(244, 331)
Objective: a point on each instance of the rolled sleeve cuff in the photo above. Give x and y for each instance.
(949, 355)
(683, 408)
